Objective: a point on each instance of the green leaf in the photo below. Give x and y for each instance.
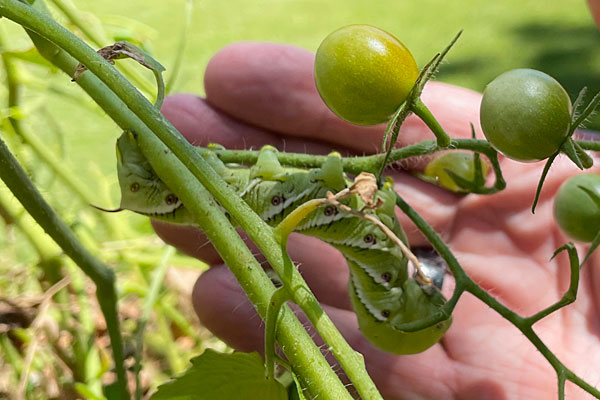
(593, 246)
(125, 49)
(576, 104)
(541, 182)
(86, 392)
(568, 148)
(31, 56)
(215, 376)
(587, 111)
(112, 391)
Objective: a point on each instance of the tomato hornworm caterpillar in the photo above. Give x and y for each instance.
(382, 292)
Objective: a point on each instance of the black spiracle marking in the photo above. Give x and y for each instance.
(134, 187)
(369, 238)
(386, 276)
(385, 313)
(330, 211)
(277, 200)
(171, 199)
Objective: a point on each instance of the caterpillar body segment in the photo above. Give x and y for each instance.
(383, 294)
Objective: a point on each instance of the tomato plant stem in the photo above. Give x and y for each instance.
(372, 163)
(465, 284)
(421, 110)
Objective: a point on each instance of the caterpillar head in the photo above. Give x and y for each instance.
(415, 304)
(141, 189)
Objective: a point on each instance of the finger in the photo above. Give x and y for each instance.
(595, 9)
(323, 268)
(272, 86)
(224, 309)
(434, 204)
(500, 230)
(202, 124)
(188, 239)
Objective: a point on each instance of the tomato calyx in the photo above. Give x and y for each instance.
(414, 104)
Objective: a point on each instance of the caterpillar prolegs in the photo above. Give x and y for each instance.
(383, 294)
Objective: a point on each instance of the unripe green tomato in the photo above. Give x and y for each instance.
(574, 210)
(459, 162)
(525, 114)
(364, 74)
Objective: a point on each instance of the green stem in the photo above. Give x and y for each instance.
(593, 145)
(280, 296)
(158, 277)
(421, 110)
(393, 129)
(414, 104)
(299, 348)
(465, 283)
(240, 211)
(18, 182)
(571, 293)
(12, 83)
(538, 190)
(356, 165)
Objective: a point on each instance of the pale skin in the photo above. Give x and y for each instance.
(258, 93)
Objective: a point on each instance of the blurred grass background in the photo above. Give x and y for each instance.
(555, 36)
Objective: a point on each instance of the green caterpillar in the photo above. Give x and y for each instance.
(382, 292)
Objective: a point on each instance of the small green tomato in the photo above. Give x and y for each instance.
(364, 74)
(459, 162)
(525, 114)
(575, 212)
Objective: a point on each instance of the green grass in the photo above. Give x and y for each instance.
(555, 36)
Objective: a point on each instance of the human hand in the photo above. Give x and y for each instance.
(260, 94)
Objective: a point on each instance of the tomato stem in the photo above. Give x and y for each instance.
(421, 110)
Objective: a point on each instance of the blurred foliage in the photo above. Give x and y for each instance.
(555, 36)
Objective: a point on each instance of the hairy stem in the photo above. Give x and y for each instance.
(419, 108)
(372, 163)
(525, 325)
